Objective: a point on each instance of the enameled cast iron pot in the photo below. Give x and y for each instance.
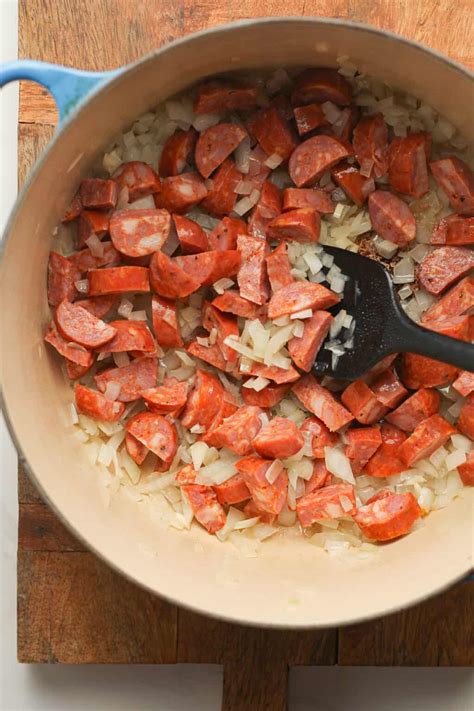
(291, 583)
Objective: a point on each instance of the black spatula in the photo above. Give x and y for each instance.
(381, 326)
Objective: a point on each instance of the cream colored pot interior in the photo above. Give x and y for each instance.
(291, 583)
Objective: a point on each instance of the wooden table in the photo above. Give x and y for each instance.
(71, 607)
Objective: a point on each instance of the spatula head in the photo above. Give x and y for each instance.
(369, 297)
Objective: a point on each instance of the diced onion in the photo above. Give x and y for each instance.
(204, 121)
(82, 285)
(95, 245)
(305, 313)
(338, 464)
(125, 307)
(121, 359)
(112, 391)
(273, 161)
(242, 157)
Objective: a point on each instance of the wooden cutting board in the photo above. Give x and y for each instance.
(71, 607)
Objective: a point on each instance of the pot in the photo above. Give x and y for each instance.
(290, 583)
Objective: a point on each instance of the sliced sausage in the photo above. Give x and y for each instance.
(186, 475)
(224, 95)
(271, 372)
(370, 143)
(232, 491)
(177, 152)
(361, 445)
(312, 158)
(204, 400)
(326, 503)
(136, 449)
(309, 117)
(98, 194)
(118, 280)
(75, 371)
(166, 398)
(192, 237)
(156, 433)
(62, 277)
(179, 193)
(169, 279)
(225, 326)
(419, 371)
(211, 354)
(231, 302)
(466, 418)
(303, 351)
(299, 198)
(99, 306)
(273, 133)
(221, 197)
(129, 336)
(466, 470)
(139, 375)
(73, 352)
(252, 275)
(391, 218)
(415, 409)
(206, 508)
(270, 396)
(319, 478)
(427, 437)
(279, 439)
(321, 85)
(139, 178)
(322, 403)
(238, 431)
(267, 208)
(388, 388)
(386, 461)
(224, 235)
(355, 185)
(258, 170)
(407, 164)
(362, 402)
(456, 179)
(73, 210)
(79, 325)
(279, 268)
(459, 300)
(165, 322)
(137, 233)
(95, 405)
(209, 267)
(84, 260)
(228, 406)
(299, 225)
(389, 517)
(321, 437)
(464, 383)
(91, 222)
(299, 296)
(443, 267)
(454, 230)
(215, 144)
(267, 497)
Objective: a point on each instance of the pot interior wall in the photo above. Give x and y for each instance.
(291, 583)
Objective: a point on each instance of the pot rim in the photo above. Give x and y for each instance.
(22, 196)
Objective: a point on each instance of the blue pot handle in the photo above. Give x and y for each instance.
(67, 85)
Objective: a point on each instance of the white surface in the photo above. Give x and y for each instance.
(182, 687)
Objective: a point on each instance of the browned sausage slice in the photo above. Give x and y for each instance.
(62, 276)
(204, 401)
(71, 351)
(279, 268)
(415, 409)
(320, 85)
(239, 430)
(165, 322)
(224, 235)
(192, 237)
(362, 402)
(278, 440)
(139, 178)
(361, 445)
(273, 133)
(296, 225)
(303, 350)
(167, 398)
(443, 267)
(156, 433)
(91, 222)
(231, 302)
(457, 180)
(84, 260)
(139, 375)
(169, 279)
(428, 436)
(299, 198)
(267, 208)
(270, 396)
(268, 498)
(137, 233)
(370, 143)
(79, 325)
(354, 184)
(221, 197)
(252, 276)
(407, 164)
(459, 300)
(215, 144)
(177, 152)
(179, 193)
(118, 280)
(219, 95)
(454, 230)
(136, 449)
(321, 437)
(95, 405)
(387, 517)
(322, 403)
(98, 194)
(314, 157)
(391, 218)
(209, 267)
(129, 336)
(326, 503)
(232, 491)
(299, 296)
(309, 117)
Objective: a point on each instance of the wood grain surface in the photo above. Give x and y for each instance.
(72, 607)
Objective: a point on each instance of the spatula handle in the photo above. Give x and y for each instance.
(412, 338)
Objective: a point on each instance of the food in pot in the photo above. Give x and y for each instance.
(199, 294)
